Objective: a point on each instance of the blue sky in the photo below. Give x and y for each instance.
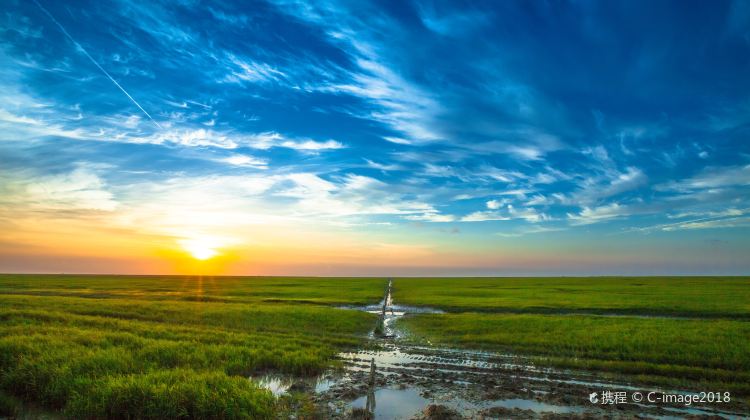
(402, 137)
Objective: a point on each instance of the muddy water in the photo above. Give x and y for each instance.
(389, 313)
(399, 380)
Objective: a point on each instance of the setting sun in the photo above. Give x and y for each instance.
(201, 249)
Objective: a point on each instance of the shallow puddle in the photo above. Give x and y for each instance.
(392, 403)
(282, 384)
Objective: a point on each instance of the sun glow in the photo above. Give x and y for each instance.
(200, 248)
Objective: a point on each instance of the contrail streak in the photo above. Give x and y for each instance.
(80, 47)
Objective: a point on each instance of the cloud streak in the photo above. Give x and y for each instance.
(96, 63)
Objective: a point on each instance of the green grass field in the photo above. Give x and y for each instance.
(313, 290)
(677, 296)
(555, 319)
(169, 347)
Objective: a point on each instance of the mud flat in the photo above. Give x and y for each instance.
(396, 379)
(408, 380)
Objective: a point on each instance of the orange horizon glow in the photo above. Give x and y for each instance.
(169, 239)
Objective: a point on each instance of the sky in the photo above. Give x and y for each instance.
(287, 137)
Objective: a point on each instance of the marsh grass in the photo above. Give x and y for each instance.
(703, 297)
(127, 354)
(183, 347)
(310, 290)
(563, 322)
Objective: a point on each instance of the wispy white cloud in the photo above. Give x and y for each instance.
(383, 166)
(730, 218)
(21, 25)
(268, 140)
(711, 177)
(23, 127)
(518, 192)
(248, 71)
(246, 161)
(528, 214)
(395, 101)
(603, 180)
(451, 22)
(529, 230)
(228, 17)
(733, 222)
(128, 129)
(501, 175)
(508, 213)
(707, 213)
(598, 214)
(434, 217)
(81, 188)
(494, 204)
(398, 104)
(439, 171)
(526, 144)
(193, 138)
(350, 195)
(397, 140)
(311, 145)
(8, 117)
(484, 216)
(625, 181)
